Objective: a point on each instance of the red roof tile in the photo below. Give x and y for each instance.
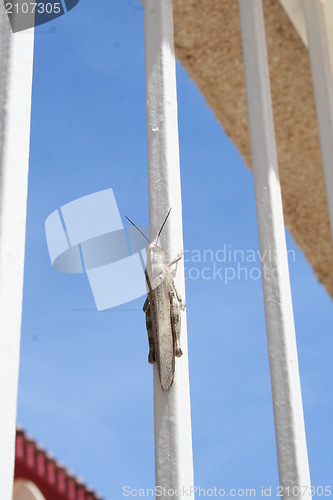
(53, 480)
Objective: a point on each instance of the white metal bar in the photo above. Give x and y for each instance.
(16, 60)
(282, 350)
(322, 78)
(173, 437)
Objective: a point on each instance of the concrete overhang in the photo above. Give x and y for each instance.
(208, 44)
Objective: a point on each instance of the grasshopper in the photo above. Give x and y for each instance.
(162, 309)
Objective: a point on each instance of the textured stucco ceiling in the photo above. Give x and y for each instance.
(208, 44)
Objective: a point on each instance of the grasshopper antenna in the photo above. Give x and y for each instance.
(159, 233)
(138, 228)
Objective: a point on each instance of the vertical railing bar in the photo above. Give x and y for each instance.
(16, 66)
(322, 78)
(172, 418)
(282, 350)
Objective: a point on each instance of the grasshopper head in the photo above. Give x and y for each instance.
(155, 255)
(156, 264)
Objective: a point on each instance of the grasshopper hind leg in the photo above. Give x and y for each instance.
(149, 326)
(176, 324)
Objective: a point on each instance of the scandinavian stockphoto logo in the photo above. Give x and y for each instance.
(25, 14)
(88, 236)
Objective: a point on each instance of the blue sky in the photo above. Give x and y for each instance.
(85, 388)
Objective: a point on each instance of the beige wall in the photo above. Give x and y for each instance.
(26, 490)
(208, 44)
